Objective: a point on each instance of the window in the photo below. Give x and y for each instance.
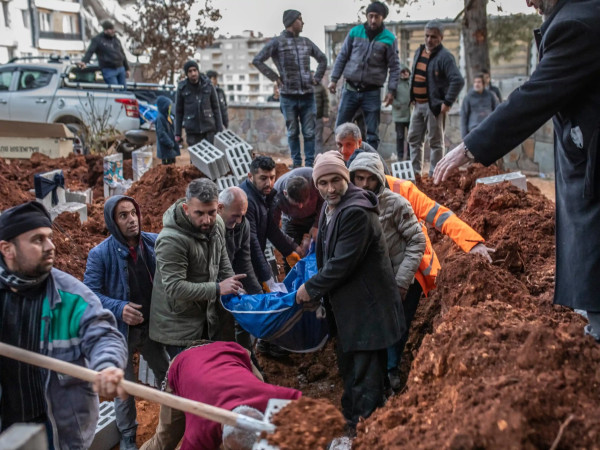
(33, 79)
(239, 87)
(232, 98)
(242, 77)
(5, 79)
(6, 14)
(68, 25)
(25, 14)
(230, 87)
(45, 21)
(229, 77)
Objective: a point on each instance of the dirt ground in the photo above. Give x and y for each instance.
(490, 362)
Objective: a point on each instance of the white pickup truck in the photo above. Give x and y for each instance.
(57, 91)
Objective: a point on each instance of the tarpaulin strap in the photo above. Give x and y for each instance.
(43, 186)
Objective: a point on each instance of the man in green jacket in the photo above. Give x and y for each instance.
(401, 110)
(192, 271)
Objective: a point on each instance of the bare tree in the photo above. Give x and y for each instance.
(166, 30)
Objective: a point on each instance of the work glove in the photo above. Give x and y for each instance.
(292, 259)
(268, 285)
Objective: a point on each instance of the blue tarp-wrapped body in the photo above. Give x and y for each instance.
(277, 317)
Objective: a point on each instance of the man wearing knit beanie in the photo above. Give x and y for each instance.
(368, 53)
(197, 107)
(357, 283)
(291, 54)
(35, 297)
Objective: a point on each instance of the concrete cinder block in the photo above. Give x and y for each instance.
(86, 196)
(141, 161)
(79, 208)
(225, 182)
(24, 436)
(403, 170)
(239, 158)
(208, 159)
(228, 138)
(60, 189)
(146, 374)
(107, 435)
(515, 178)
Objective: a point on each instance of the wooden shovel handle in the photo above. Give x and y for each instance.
(210, 412)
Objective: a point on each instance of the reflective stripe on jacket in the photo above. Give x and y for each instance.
(442, 219)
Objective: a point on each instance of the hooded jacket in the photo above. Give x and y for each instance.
(355, 274)
(402, 231)
(106, 271)
(197, 108)
(166, 146)
(76, 329)
(189, 265)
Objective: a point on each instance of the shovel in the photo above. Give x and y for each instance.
(209, 412)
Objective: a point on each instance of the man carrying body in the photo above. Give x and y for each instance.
(572, 95)
(192, 271)
(476, 106)
(196, 107)
(435, 85)
(47, 311)
(299, 202)
(111, 57)
(120, 271)
(233, 204)
(403, 235)
(291, 55)
(234, 384)
(368, 53)
(357, 281)
(214, 79)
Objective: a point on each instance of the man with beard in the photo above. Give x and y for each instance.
(47, 311)
(197, 107)
(192, 271)
(564, 85)
(357, 281)
(120, 271)
(368, 53)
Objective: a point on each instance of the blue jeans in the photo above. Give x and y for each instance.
(301, 107)
(370, 102)
(115, 76)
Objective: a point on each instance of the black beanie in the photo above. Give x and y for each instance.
(379, 8)
(290, 16)
(188, 65)
(23, 218)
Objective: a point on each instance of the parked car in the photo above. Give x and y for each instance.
(57, 91)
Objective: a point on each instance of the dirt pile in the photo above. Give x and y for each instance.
(499, 365)
(306, 424)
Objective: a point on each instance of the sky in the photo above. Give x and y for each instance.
(265, 15)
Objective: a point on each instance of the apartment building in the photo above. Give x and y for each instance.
(232, 58)
(40, 27)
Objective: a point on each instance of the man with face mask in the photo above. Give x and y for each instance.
(192, 271)
(368, 53)
(47, 311)
(358, 284)
(120, 271)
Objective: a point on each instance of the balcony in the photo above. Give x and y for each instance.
(60, 35)
(59, 5)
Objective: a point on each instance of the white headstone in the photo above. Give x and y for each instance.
(60, 191)
(141, 161)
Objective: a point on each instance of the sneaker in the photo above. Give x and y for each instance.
(262, 347)
(394, 378)
(589, 331)
(277, 352)
(128, 442)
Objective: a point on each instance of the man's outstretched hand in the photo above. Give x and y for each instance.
(453, 160)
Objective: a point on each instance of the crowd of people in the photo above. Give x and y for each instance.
(159, 294)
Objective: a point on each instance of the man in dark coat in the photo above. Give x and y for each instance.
(357, 280)
(167, 148)
(197, 107)
(111, 57)
(214, 79)
(566, 88)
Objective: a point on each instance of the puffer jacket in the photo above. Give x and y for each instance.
(444, 81)
(166, 145)
(197, 108)
(366, 62)
(291, 55)
(76, 329)
(401, 103)
(106, 271)
(402, 231)
(185, 297)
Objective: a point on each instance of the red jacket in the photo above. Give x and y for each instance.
(219, 374)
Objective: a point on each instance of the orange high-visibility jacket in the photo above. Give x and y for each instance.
(442, 219)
